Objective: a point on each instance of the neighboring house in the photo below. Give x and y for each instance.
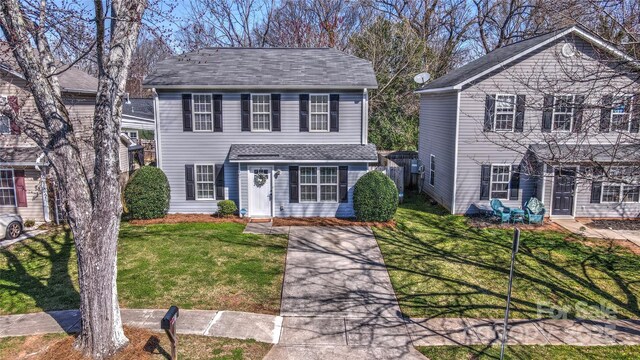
(138, 121)
(26, 182)
(282, 132)
(543, 117)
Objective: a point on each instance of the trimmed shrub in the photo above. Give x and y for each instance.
(147, 194)
(29, 223)
(375, 197)
(227, 207)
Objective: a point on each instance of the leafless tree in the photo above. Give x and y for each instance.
(313, 23)
(92, 197)
(226, 23)
(148, 52)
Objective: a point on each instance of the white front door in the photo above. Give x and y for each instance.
(260, 191)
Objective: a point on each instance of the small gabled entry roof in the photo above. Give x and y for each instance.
(301, 153)
(263, 68)
(578, 153)
(457, 78)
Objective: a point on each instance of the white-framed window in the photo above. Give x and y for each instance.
(318, 183)
(5, 122)
(132, 134)
(319, 112)
(505, 112)
(563, 108)
(260, 112)
(500, 179)
(202, 112)
(205, 182)
(621, 113)
(615, 193)
(432, 170)
(7, 188)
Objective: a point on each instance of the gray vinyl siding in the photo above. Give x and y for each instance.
(179, 148)
(437, 137)
(477, 147)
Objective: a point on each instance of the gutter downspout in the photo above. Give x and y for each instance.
(156, 120)
(455, 156)
(365, 117)
(43, 189)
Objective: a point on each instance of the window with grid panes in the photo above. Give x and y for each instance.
(7, 188)
(261, 112)
(205, 182)
(202, 112)
(500, 176)
(319, 113)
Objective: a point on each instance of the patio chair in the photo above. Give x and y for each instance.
(500, 211)
(534, 211)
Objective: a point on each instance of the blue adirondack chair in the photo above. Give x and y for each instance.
(500, 211)
(534, 211)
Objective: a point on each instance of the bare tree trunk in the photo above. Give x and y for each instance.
(92, 197)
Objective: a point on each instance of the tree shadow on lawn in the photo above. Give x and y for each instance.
(23, 274)
(467, 269)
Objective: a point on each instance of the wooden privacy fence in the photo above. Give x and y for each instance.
(396, 174)
(149, 150)
(402, 160)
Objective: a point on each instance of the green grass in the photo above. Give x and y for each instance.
(556, 352)
(193, 266)
(441, 266)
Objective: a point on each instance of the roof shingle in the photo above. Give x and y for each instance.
(303, 152)
(245, 68)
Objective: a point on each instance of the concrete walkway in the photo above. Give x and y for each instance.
(578, 227)
(367, 336)
(28, 234)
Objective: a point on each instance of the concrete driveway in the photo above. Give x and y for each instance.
(336, 272)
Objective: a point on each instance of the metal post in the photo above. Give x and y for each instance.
(514, 250)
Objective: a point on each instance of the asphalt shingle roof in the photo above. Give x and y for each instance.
(264, 68)
(19, 154)
(303, 152)
(71, 79)
(142, 108)
(486, 62)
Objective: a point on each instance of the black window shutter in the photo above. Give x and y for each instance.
(304, 112)
(596, 190)
(605, 113)
(275, 112)
(520, 106)
(343, 181)
(217, 113)
(245, 111)
(547, 113)
(334, 112)
(187, 123)
(489, 110)
(293, 184)
(219, 182)
(514, 185)
(577, 113)
(189, 182)
(485, 180)
(635, 114)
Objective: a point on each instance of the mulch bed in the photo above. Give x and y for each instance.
(484, 222)
(622, 224)
(321, 221)
(190, 218)
(143, 344)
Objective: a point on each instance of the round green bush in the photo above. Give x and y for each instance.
(375, 197)
(147, 194)
(227, 207)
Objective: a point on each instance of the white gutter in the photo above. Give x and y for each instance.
(258, 87)
(156, 120)
(293, 161)
(365, 117)
(438, 90)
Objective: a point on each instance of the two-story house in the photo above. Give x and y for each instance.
(282, 132)
(27, 186)
(547, 117)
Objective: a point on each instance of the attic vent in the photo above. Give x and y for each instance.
(568, 50)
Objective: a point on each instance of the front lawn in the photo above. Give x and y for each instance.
(193, 266)
(441, 266)
(525, 352)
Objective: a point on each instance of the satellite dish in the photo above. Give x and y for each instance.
(422, 78)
